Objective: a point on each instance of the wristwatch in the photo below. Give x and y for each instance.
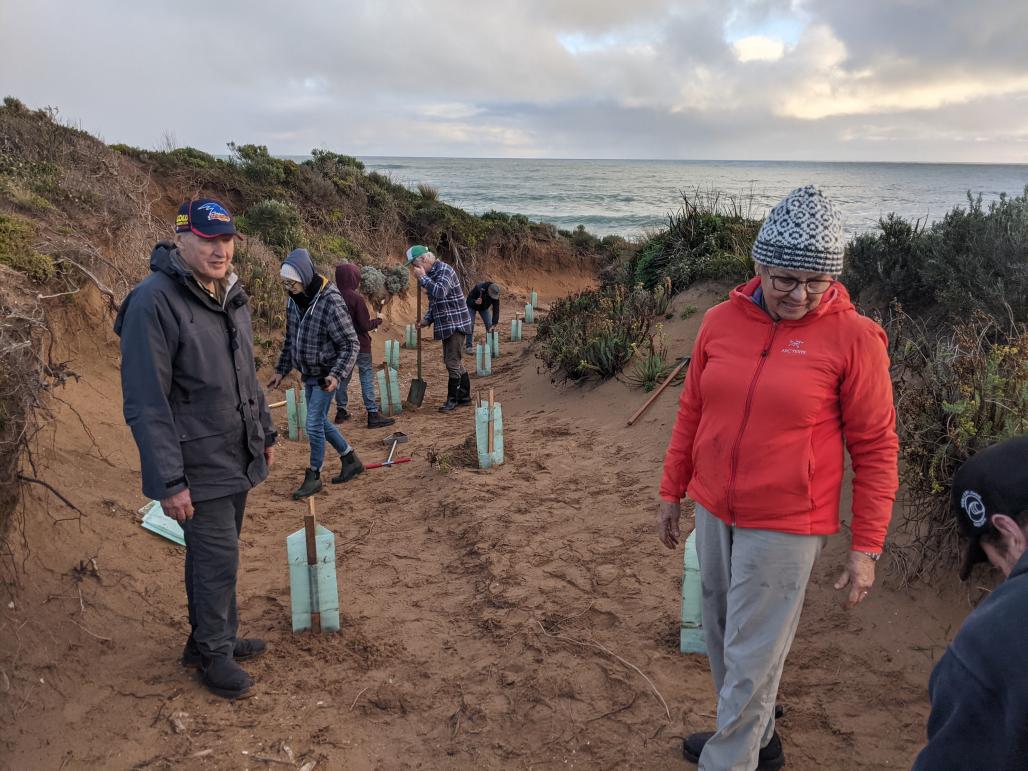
(871, 555)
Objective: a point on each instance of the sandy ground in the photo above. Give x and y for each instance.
(524, 617)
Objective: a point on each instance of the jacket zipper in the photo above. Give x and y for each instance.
(745, 419)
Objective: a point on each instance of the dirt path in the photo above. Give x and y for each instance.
(524, 617)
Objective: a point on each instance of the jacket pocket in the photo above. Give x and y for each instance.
(211, 444)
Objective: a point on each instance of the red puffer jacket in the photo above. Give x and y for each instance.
(758, 440)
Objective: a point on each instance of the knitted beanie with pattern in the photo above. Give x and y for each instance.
(803, 232)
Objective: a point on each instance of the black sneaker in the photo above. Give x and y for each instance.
(375, 420)
(771, 757)
(341, 415)
(311, 484)
(244, 649)
(352, 466)
(225, 677)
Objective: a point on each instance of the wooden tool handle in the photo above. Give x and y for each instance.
(492, 426)
(660, 390)
(419, 331)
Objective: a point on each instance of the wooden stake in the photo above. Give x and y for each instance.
(492, 425)
(660, 390)
(309, 525)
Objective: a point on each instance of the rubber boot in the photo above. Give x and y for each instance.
(771, 757)
(464, 390)
(375, 420)
(341, 415)
(352, 466)
(311, 484)
(451, 395)
(244, 649)
(225, 677)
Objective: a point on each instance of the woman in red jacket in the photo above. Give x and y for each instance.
(783, 376)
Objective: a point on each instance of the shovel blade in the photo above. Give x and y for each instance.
(416, 396)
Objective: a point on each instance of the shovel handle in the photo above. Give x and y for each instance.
(387, 463)
(660, 390)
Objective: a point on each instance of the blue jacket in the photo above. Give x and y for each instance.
(979, 688)
(190, 389)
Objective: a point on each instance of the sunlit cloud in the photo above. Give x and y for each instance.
(757, 48)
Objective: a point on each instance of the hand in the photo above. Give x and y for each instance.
(489, 329)
(859, 575)
(275, 381)
(178, 506)
(420, 324)
(419, 272)
(269, 455)
(668, 515)
(330, 384)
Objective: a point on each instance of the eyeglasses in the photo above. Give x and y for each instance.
(288, 284)
(811, 285)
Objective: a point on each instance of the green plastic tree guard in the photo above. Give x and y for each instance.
(485, 458)
(515, 330)
(156, 521)
(529, 314)
(392, 354)
(410, 336)
(483, 360)
(692, 640)
(303, 409)
(292, 414)
(534, 299)
(494, 343)
(324, 580)
(389, 392)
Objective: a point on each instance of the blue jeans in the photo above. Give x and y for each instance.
(487, 319)
(367, 378)
(319, 427)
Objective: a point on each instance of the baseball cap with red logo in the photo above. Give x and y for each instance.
(206, 218)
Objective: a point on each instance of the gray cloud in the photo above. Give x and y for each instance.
(832, 79)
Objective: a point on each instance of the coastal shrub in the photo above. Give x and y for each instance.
(16, 251)
(709, 237)
(258, 165)
(397, 278)
(276, 222)
(373, 283)
(428, 192)
(652, 364)
(595, 333)
(258, 268)
(974, 259)
(957, 391)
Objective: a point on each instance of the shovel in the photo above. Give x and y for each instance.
(416, 395)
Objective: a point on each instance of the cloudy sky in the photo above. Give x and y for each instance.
(908, 80)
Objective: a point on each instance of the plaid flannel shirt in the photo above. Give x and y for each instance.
(323, 341)
(447, 308)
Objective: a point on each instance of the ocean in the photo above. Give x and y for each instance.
(630, 197)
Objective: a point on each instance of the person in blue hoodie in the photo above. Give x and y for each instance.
(979, 688)
(201, 422)
(322, 344)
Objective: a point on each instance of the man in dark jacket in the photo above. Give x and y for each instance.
(321, 342)
(483, 299)
(200, 420)
(979, 688)
(348, 278)
(449, 318)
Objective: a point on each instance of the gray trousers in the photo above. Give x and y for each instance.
(212, 560)
(754, 582)
(453, 347)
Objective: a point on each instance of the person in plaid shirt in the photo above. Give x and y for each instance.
(448, 316)
(321, 342)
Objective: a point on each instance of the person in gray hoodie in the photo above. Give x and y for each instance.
(321, 342)
(200, 421)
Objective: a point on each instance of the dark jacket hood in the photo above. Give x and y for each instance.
(348, 276)
(300, 259)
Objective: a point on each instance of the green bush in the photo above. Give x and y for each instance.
(276, 222)
(16, 251)
(974, 259)
(258, 165)
(652, 364)
(397, 278)
(373, 283)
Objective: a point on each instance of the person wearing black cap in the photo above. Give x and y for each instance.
(979, 688)
(200, 420)
(483, 300)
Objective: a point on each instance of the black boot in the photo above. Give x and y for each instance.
(352, 466)
(311, 484)
(451, 395)
(771, 757)
(244, 649)
(341, 415)
(464, 390)
(375, 420)
(225, 677)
